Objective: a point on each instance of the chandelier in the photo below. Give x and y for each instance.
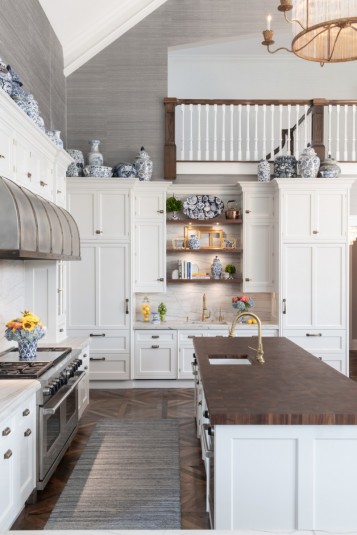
(323, 30)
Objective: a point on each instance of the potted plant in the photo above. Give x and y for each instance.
(173, 206)
(230, 269)
(162, 309)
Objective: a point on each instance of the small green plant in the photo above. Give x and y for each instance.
(173, 204)
(162, 309)
(231, 269)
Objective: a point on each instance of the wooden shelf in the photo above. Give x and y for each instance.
(205, 250)
(209, 281)
(204, 222)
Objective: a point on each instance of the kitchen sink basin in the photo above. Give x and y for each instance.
(224, 360)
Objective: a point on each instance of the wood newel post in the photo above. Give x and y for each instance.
(317, 134)
(170, 145)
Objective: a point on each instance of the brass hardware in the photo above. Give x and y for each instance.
(26, 412)
(315, 231)
(99, 232)
(204, 309)
(29, 175)
(259, 351)
(160, 211)
(27, 433)
(155, 347)
(43, 184)
(6, 431)
(7, 454)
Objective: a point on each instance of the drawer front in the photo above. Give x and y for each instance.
(155, 361)
(118, 341)
(109, 367)
(162, 336)
(319, 341)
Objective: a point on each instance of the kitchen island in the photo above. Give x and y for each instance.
(285, 437)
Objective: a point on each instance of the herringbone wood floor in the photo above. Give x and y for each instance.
(134, 404)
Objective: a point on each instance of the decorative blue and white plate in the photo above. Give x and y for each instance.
(202, 207)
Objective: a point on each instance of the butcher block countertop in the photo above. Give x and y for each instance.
(292, 388)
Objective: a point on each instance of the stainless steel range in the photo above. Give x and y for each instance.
(57, 400)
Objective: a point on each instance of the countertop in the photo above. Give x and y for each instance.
(182, 325)
(292, 388)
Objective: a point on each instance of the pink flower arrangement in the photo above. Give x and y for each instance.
(242, 303)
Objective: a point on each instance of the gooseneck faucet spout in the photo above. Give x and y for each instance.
(259, 350)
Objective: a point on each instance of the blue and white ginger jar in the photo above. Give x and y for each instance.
(143, 165)
(264, 171)
(194, 242)
(285, 166)
(309, 163)
(216, 268)
(5, 78)
(329, 168)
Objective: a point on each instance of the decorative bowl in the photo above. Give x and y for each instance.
(98, 170)
(125, 170)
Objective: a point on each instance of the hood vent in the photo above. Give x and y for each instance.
(33, 228)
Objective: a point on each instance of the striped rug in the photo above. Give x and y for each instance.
(126, 478)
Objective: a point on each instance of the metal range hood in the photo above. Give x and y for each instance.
(33, 228)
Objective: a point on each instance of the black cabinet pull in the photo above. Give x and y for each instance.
(99, 358)
(312, 334)
(126, 306)
(6, 431)
(27, 433)
(26, 412)
(95, 335)
(155, 347)
(284, 306)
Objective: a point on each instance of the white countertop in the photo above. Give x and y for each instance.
(11, 391)
(73, 342)
(199, 325)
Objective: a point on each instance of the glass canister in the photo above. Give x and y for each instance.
(145, 308)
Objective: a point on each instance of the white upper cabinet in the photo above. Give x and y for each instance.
(101, 212)
(7, 136)
(311, 214)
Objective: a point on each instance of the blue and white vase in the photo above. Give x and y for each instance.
(94, 157)
(27, 350)
(264, 171)
(155, 318)
(309, 163)
(194, 242)
(329, 168)
(57, 139)
(216, 268)
(5, 78)
(285, 166)
(143, 165)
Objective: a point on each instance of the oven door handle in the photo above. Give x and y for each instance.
(209, 452)
(52, 410)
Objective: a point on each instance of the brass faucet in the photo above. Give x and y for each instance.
(259, 351)
(204, 309)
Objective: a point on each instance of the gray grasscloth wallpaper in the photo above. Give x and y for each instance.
(117, 96)
(29, 44)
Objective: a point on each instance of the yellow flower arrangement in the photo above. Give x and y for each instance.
(26, 328)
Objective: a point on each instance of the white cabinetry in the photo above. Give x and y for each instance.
(155, 354)
(258, 246)
(17, 457)
(99, 287)
(83, 385)
(150, 237)
(313, 265)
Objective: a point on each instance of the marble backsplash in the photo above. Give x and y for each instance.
(12, 295)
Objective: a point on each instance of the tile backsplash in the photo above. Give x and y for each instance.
(12, 295)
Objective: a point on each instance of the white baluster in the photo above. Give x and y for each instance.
(239, 132)
(338, 132)
(215, 132)
(297, 132)
(199, 154)
(190, 152)
(345, 152)
(280, 128)
(272, 139)
(329, 141)
(223, 157)
(288, 148)
(207, 132)
(255, 132)
(264, 141)
(231, 141)
(353, 154)
(182, 132)
(247, 151)
(306, 130)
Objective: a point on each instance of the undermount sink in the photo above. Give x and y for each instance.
(207, 322)
(228, 359)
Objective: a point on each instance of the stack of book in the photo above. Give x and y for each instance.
(185, 271)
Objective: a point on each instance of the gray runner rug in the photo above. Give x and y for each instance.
(126, 478)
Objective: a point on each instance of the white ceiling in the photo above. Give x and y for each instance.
(85, 27)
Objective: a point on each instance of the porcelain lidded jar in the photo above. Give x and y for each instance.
(329, 168)
(94, 157)
(194, 242)
(216, 268)
(264, 171)
(5, 78)
(309, 163)
(143, 165)
(285, 166)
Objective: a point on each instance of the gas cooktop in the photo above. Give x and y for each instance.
(12, 367)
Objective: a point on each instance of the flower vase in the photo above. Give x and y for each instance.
(27, 349)
(57, 139)
(94, 157)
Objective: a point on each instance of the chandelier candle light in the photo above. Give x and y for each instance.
(323, 31)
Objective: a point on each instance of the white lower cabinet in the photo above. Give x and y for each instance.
(109, 355)
(83, 385)
(17, 458)
(155, 354)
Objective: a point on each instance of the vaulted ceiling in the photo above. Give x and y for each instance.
(85, 27)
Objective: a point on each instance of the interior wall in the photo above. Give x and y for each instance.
(29, 44)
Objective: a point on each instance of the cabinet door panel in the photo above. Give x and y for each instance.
(150, 206)
(329, 287)
(114, 215)
(297, 285)
(82, 206)
(113, 285)
(257, 257)
(155, 363)
(330, 208)
(297, 217)
(149, 257)
(82, 297)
